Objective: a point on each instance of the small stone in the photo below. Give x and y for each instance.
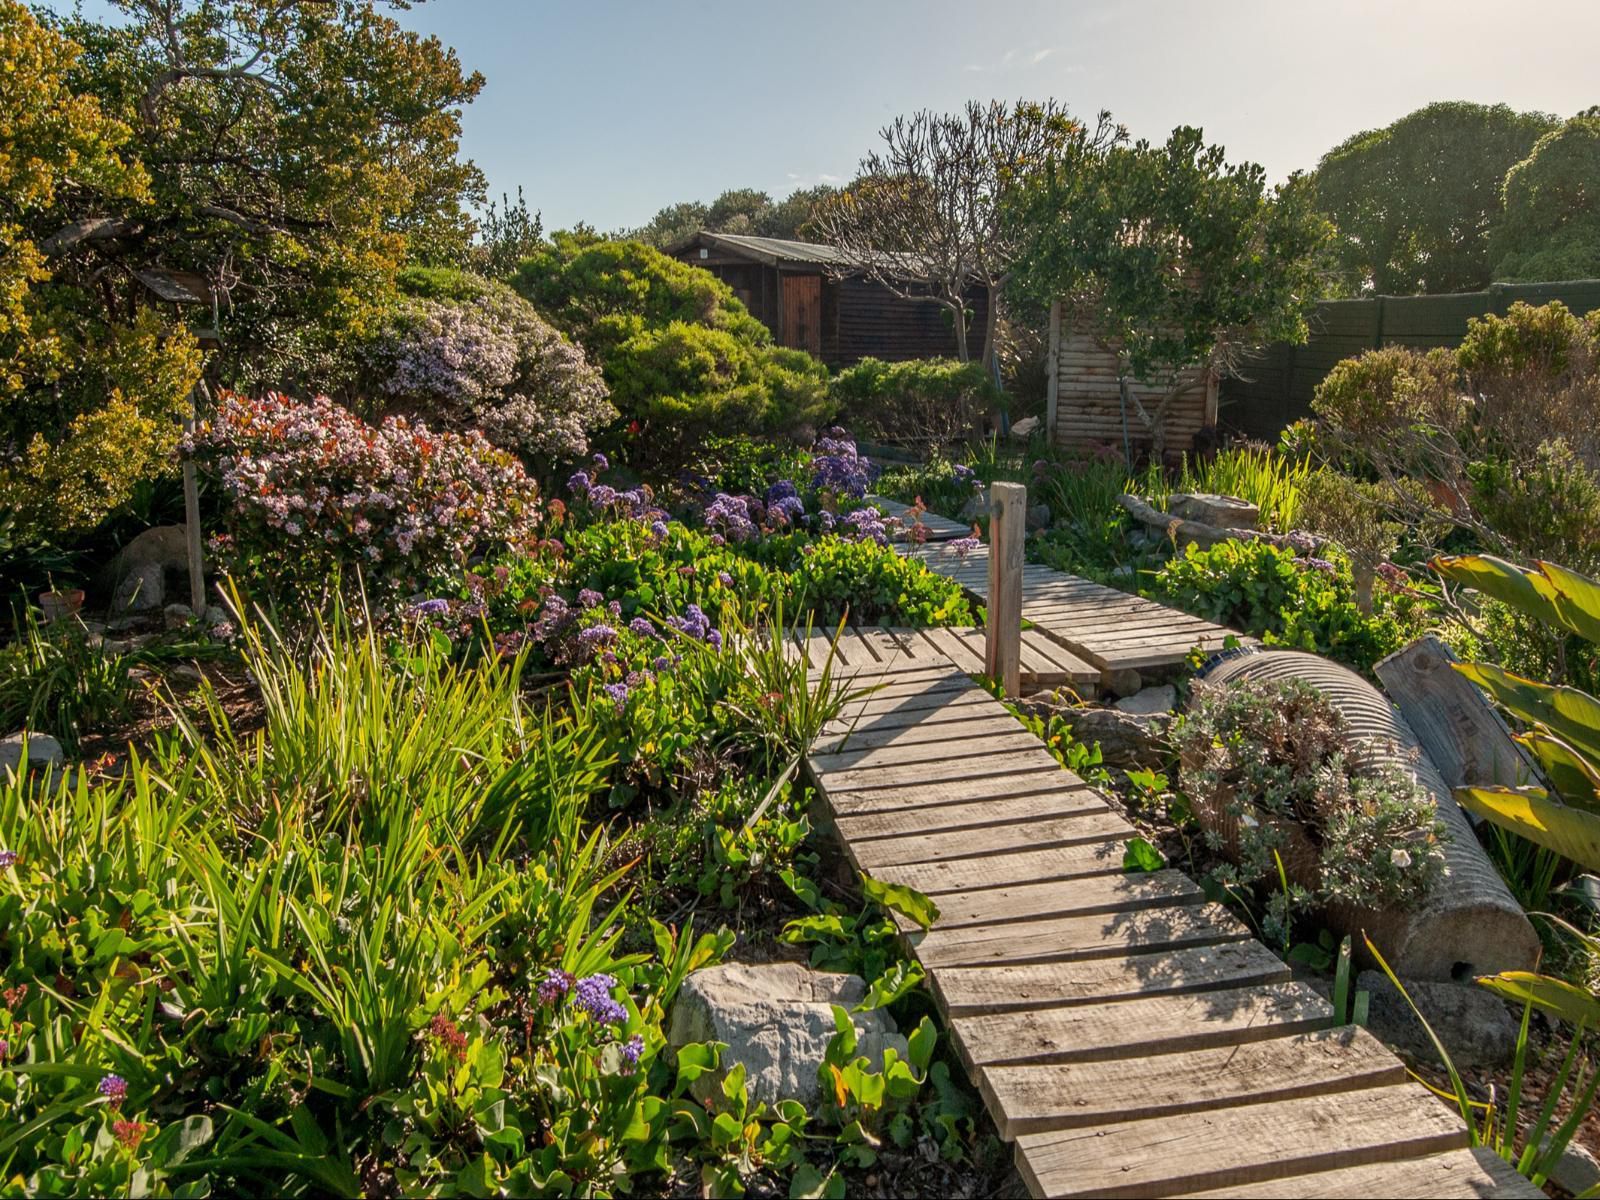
(1122, 681)
(1025, 428)
(1576, 1172)
(1039, 516)
(43, 752)
(1150, 701)
(776, 1019)
(1474, 1024)
(177, 616)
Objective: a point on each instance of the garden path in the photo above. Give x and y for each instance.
(1130, 1038)
(1120, 635)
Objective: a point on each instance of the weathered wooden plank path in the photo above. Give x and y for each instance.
(1131, 1038)
(1119, 634)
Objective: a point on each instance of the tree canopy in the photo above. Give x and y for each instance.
(737, 210)
(1414, 203)
(927, 216)
(1551, 226)
(1171, 255)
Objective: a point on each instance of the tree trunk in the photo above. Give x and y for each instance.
(990, 323)
(959, 312)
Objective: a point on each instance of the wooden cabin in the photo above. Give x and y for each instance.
(1084, 405)
(807, 294)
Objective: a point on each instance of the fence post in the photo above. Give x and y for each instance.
(1008, 514)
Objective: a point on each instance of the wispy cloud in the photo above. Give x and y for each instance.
(1013, 57)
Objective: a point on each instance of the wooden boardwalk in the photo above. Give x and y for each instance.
(1130, 1038)
(1120, 635)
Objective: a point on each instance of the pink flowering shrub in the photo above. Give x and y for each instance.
(312, 488)
(488, 361)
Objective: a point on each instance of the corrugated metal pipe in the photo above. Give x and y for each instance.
(1470, 924)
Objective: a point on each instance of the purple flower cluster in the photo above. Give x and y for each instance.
(963, 546)
(8, 859)
(838, 468)
(965, 474)
(642, 627)
(864, 525)
(632, 1050)
(695, 624)
(619, 694)
(115, 1090)
(593, 995)
(735, 517)
(555, 984)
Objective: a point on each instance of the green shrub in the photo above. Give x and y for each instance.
(682, 357)
(935, 401)
(1308, 604)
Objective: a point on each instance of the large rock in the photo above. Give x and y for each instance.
(1038, 516)
(1125, 740)
(1473, 1023)
(137, 575)
(1149, 702)
(1224, 512)
(1024, 429)
(776, 1019)
(975, 508)
(43, 751)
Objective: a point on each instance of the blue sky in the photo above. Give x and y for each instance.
(606, 110)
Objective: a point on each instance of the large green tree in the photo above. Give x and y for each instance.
(1414, 203)
(737, 210)
(89, 392)
(1178, 260)
(298, 154)
(1551, 225)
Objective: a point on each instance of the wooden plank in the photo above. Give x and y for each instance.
(856, 648)
(1034, 1099)
(1462, 733)
(1002, 870)
(969, 991)
(1095, 895)
(981, 842)
(1479, 1172)
(889, 648)
(958, 646)
(1070, 939)
(944, 708)
(1018, 762)
(979, 723)
(1224, 1147)
(910, 822)
(1002, 660)
(1162, 1024)
(847, 803)
(989, 748)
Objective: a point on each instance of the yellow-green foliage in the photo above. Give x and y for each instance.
(88, 406)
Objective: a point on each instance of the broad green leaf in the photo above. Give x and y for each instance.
(1565, 711)
(906, 901)
(1574, 776)
(811, 1184)
(920, 1044)
(1557, 996)
(891, 985)
(1141, 856)
(1530, 812)
(1577, 600)
(1500, 579)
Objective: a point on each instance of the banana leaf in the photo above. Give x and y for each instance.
(1571, 715)
(1551, 594)
(1533, 814)
(1556, 996)
(1574, 776)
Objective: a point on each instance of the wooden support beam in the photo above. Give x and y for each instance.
(1008, 512)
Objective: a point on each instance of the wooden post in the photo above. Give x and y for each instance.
(1008, 514)
(1052, 379)
(191, 514)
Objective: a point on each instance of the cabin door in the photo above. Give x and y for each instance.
(802, 312)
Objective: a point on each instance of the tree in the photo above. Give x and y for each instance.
(1171, 256)
(738, 210)
(298, 154)
(1414, 203)
(507, 234)
(927, 217)
(1550, 228)
(89, 394)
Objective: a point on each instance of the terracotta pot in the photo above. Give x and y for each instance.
(57, 605)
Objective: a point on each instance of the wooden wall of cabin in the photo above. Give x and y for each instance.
(872, 322)
(1088, 398)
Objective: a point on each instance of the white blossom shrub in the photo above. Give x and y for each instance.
(488, 361)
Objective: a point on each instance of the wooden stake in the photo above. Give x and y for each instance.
(1008, 512)
(191, 515)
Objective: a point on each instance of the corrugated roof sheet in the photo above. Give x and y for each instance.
(775, 249)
